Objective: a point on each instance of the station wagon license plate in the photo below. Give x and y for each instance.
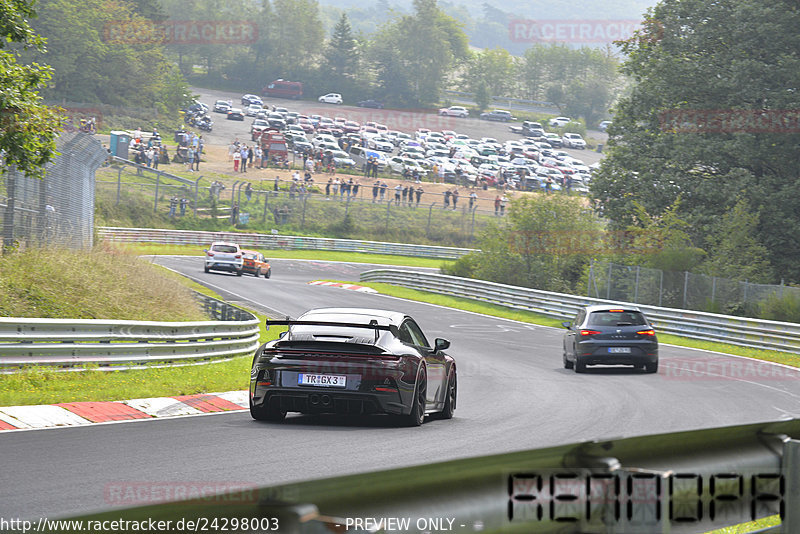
(335, 381)
(619, 350)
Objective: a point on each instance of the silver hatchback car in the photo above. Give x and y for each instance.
(224, 256)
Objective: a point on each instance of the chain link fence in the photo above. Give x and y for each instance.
(287, 206)
(58, 209)
(683, 290)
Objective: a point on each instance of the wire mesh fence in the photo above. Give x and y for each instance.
(58, 209)
(683, 290)
(287, 205)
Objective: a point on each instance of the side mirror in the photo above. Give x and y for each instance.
(441, 344)
(205, 250)
(566, 324)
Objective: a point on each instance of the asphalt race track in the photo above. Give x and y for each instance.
(513, 395)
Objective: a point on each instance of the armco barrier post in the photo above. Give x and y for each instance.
(791, 472)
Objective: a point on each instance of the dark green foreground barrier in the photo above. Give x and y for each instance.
(683, 482)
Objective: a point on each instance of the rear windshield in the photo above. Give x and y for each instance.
(224, 248)
(250, 256)
(616, 318)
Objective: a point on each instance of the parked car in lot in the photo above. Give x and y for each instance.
(454, 111)
(558, 122)
(375, 104)
(235, 114)
(573, 140)
(603, 126)
(253, 109)
(497, 115)
(222, 106)
(341, 158)
(610, 335)
(251, 99)
(553, 139)
(254, 262)
(331, 98)
(353, 361)
(224, 256)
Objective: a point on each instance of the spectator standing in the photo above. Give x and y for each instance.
(184, 203)
(190, 158)
(335, 188)
(258, 155)
(173, 204)
(237, 159)
(405, 194)
(356, 185)
(503, 202)
(250, 156)
(473, 198)
(455, 198)
(446, 199)
(419, 194)
(248, 191)
(328, 189)
(497, 205)
(384, 187)
(276, 186)
(397, 192)
(375, 188)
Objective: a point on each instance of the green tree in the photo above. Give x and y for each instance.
(342, 55)
(544, 243)
(734, 249)
(494, 69)
(699, 57)
(27, 127)
(413, 55)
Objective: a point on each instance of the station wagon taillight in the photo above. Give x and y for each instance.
(590, 332)
(646, 332)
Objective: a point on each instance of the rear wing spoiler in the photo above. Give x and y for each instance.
(372, 325)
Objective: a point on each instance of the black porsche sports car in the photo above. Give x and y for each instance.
(353, 361)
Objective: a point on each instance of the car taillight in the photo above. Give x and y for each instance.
(238, 256)
(646, 332)
(211, 254)
(590, 332)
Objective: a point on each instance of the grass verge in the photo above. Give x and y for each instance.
(750, 526)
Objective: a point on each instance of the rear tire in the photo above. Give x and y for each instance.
(265, 413)
(417, 415)
(268, 273)
(579, 366)
(651, 367)
(567, 364)
(206, 269)
(451, 396)
(239, 272)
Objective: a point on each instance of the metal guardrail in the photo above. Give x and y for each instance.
(113, 345)
(740, 331)
(268, 241)
(668, 483)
